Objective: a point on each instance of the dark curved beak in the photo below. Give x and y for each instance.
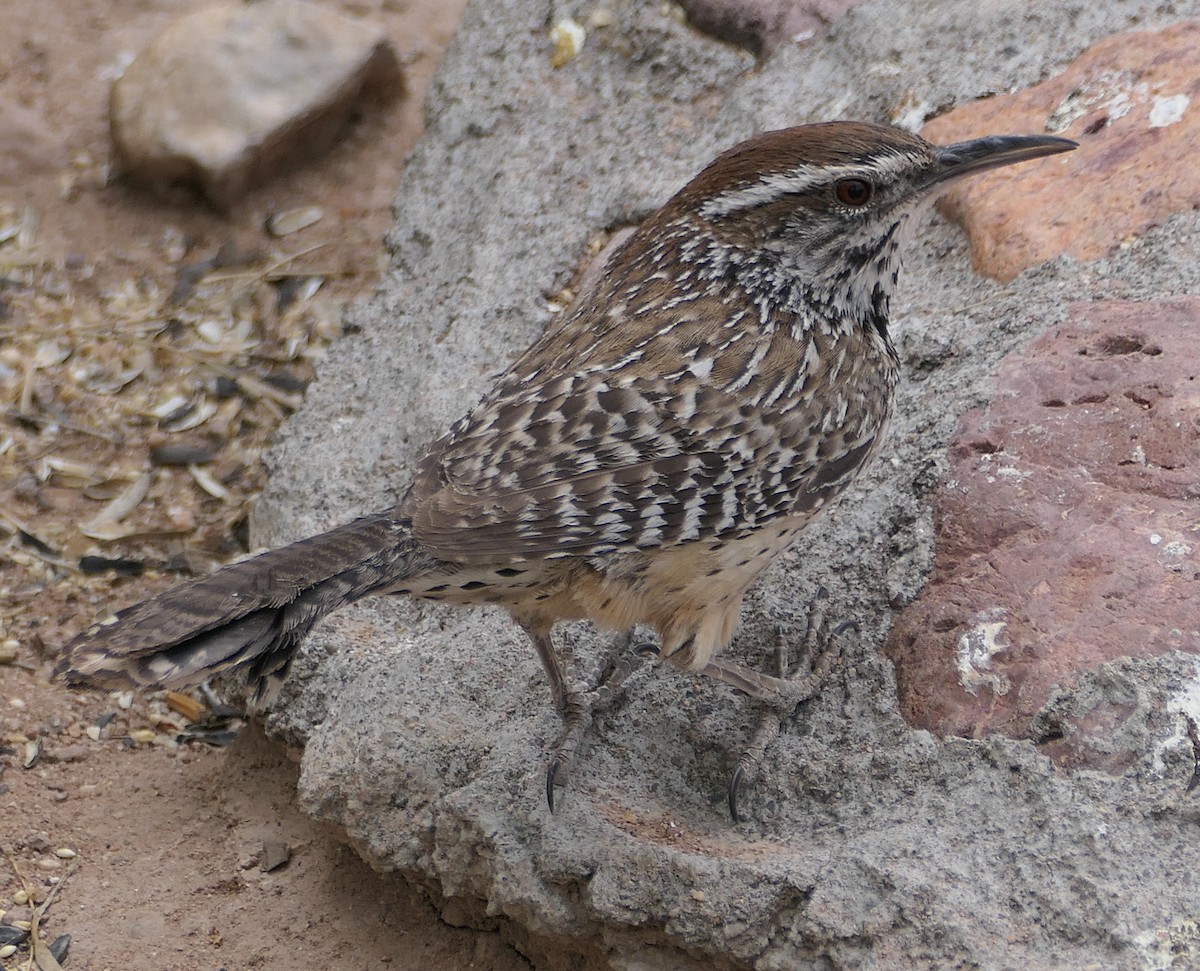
(993, 151)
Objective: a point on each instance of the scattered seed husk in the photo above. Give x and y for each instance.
(105, 524)
(65, 853)
(143, 735)
(205, 481)
(69, 468)
(286, 381)
(288, 221)
(33, 753)
(181, 454)
(171, 407)
(186, 705)
(193, 418)
(220, 737)
(8, 950)
(253, 386)
(14, 935)
(104, 564)
(59, 947)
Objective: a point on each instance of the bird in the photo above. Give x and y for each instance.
(727, 375)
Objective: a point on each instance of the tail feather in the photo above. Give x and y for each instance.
(249, 615)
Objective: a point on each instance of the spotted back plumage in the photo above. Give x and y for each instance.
(700, 391)
(646, 459)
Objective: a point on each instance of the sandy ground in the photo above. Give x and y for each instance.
(154, 854)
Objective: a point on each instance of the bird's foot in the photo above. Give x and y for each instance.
(784, 692)
(580, 708)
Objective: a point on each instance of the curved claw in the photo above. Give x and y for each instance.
(735, 782)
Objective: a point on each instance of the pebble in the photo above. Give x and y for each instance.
(8, 650)
(230, 90)
(68, 753)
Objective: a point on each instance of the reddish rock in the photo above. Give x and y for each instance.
(1132, 101)
(762, 25)
(1068, 527)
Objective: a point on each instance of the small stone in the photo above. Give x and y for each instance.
(93, 732)
(226, 94)
(275, 853)
(567, 36)
(8, 650)
(68, 753)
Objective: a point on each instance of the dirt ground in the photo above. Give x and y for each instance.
(152, 853)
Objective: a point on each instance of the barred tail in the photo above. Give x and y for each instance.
(249, 615)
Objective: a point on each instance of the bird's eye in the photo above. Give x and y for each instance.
(853, 192)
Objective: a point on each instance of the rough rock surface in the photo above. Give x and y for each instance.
(226, 95)
(1066, 532)
(869, 844)
(1133, 101)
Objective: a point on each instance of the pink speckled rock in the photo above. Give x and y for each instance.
(1068, 525)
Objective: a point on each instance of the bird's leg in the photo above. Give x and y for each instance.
(784, 691)
(580, 708)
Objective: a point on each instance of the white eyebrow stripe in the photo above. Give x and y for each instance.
(800, 179)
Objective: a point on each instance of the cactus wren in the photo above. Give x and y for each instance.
(647, 458)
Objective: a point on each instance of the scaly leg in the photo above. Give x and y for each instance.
(579, 708)
(783, 692)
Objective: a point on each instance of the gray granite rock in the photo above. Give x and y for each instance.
(869, 844)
